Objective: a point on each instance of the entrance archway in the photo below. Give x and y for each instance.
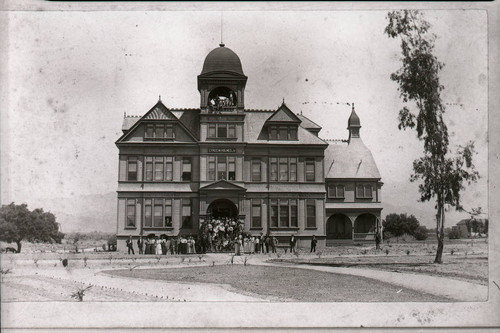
(221, 208)
(365, 224)
(339, 226)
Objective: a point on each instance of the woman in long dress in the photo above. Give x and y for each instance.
(158, 246)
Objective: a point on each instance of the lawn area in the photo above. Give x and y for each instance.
(465, 268)
(287, 284)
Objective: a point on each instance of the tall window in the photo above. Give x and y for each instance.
(186, 168)
(158, 213)
(158, 168)
(283, 169)
(256, 170)
(293, 214)
(273, 134)
(293, 169)
(273, 174)
(311, 213)
(364, 191)
(310, 172)
(284, 213)
(231, 167)
(221, 167)
(256, 213)
(148, 170)
(130, 213)
(231, 131)
(212, 130)
(168, 213)
(169, 133)
(211, 168)
(336, 191)
(132, 168)
(186, 214)
(274, 213)
(148, 213)
(169, 167)
(221, 130)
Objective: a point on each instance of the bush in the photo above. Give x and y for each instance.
(421, 233)
(454, 234)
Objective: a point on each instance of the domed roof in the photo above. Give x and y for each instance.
(353, 120)
(222, 59)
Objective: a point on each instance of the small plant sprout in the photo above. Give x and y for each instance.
(85, 261)
(407, 252)
(131, 268)
(182, 260)
(80, 293)
(278, 255)
(200, 257)
(35, 260)
(297, 254)
(452, 252)
(189, 260)
(158, 258)
(110, 258)
(386, 252)
(245, 261)
(213, 264)
(319, 254)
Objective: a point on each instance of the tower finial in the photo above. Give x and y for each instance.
(221, 28)
(159, 98)
(283, 100)
(352, 106)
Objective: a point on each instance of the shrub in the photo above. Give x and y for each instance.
(421, 233)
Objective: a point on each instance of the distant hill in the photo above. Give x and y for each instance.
(83, 213)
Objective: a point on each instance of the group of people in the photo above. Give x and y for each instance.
(220, 235)
(162, 245)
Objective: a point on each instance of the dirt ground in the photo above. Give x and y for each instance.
(40, 276)
(288, 284)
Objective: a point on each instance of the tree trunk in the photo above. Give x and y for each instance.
(440, 234)
(18, 246)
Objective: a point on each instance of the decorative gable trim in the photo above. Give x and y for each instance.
(159, 112)
(222, 185)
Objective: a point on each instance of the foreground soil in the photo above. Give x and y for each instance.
(287, 284)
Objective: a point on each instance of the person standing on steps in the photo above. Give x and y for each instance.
(293, 241)
(140, 245)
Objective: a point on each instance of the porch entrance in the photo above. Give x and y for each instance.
(222, 208)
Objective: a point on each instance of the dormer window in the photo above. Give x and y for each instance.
(282, 132)
(158, 132)
(364, 191)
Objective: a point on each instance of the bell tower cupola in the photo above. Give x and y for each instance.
(353, 124)
(222, 82)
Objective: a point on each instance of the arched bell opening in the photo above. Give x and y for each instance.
(222, 99)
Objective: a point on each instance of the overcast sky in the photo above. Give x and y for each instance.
(72, 75)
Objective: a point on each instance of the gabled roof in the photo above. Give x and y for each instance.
(283, 115)
(157, 112)
(256, 132)
(222, 185)
(350, 160)
(308, 123)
